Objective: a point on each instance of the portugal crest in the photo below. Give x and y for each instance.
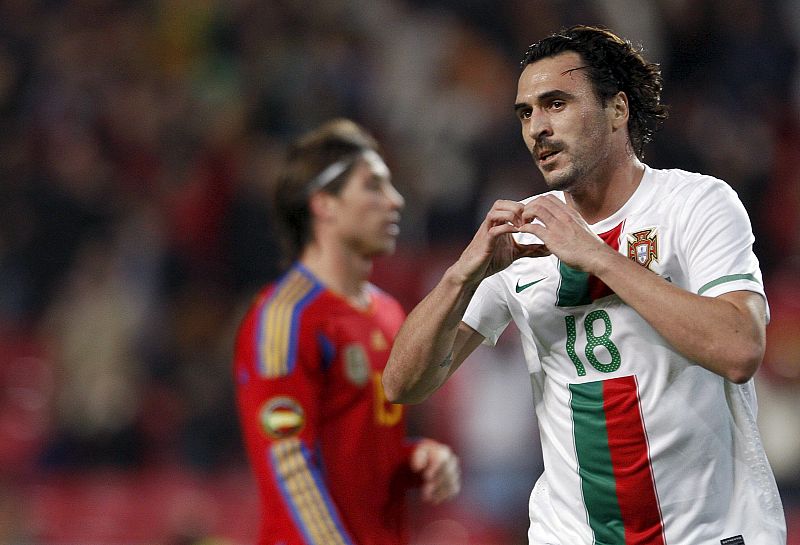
(643, 247)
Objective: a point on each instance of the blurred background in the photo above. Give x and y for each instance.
(137, 144)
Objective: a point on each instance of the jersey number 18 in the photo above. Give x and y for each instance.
(593, 342)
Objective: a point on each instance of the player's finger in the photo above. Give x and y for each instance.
(419, 458)
(447, 482)
(434, 466)
(512, 206)
(542, 209)
(499, 217)
(506, 211)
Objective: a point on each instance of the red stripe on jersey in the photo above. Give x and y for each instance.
(627, 442)
(597, 288)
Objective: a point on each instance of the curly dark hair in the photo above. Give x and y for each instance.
(613, 65)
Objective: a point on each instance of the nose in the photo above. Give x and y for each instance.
(395, 198)
(539, 126)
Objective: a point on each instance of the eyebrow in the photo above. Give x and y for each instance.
(544, 97)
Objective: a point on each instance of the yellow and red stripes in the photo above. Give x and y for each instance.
(614, 463)
(305, 494)
(278, 325)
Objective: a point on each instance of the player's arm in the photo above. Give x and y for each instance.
(430, 346)
(433, 341)
(724, 334)
(279, 406)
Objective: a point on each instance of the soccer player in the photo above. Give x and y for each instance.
(329, 450)
(641, 311)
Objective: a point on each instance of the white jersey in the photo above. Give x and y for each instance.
(641, 446)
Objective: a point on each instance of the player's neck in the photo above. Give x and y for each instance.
(344, 273)
(601, 198)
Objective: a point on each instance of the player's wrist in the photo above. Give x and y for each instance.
(604, 261)
(457, 277)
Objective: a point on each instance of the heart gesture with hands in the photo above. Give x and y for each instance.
(493, 247)
(564, 232)
(561, 229)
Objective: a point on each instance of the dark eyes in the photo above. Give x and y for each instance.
(375, 183)
(553, 105)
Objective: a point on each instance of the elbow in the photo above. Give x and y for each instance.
(742, 373)
(392, 392)
(392, 389)
(745, 365)
(739, 377)
(745, 343)
(396, 392)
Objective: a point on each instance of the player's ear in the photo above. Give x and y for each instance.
(322, 205)
(618, 110)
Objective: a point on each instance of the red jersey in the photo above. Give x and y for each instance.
(328, 450)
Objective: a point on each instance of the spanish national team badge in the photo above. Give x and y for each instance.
(282, 417)
(356, 364)
(379, 341)
(643, 247)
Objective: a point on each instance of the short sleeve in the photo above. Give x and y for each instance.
(487, 312)
(717, 242)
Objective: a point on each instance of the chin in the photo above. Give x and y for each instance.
(388, 250)
(562, 182)
(382, 250)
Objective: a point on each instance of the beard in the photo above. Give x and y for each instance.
(565, 178)
(576, 171)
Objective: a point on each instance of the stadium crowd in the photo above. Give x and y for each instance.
(137, 148)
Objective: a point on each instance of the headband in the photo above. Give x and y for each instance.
(334, 170)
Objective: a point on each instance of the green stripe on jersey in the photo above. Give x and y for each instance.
(594, 460)
(725, 279)
(574, 288)
(619, 493)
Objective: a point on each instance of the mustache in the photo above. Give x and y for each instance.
(545, 146)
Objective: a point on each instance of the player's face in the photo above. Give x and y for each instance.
(368, 208)
(564, 125)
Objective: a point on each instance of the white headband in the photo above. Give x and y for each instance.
(334, 170)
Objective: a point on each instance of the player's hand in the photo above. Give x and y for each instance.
(493, 248)
(564, 232)
(439, 468)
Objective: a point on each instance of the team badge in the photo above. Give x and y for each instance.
(643, 247)
(379, 341)
(282, 417)
(356, 364)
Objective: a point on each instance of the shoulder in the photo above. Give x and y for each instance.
(384, 302)
(288, 297)
(280, 323)
(691, 196)
(686, 184)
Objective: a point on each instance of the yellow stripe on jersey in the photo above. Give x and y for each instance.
(311, 506)
(276, 348)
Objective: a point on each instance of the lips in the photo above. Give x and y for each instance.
(544, 155)
(392, 227)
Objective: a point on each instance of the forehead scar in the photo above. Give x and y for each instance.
(570, 70)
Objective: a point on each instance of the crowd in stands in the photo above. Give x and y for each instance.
(138, 143)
